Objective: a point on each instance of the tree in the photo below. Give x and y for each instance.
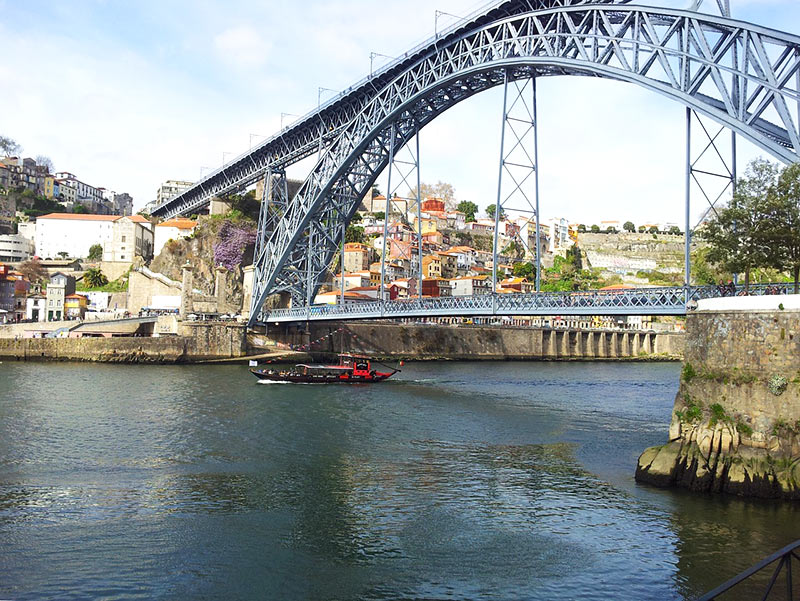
(45, 162)
(63, 254)
(33, 271)
(94, 278)
(642, 229)
(628, 226)
(783, 216)
(574, 257)
(79, 209)
(376, 191)
(440, 189)
(468, 208)
(379, 216)
(739, 235)
(525, 270)
(653, 229)
(95, 252)
(354, 233)
(675, 230)
(581, 228)
(492, 208)
(9, 147)
(611, 230)
(595, 229)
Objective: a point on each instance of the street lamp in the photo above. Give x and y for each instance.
(255, 136)
(373, 55)
(441, 13)
(226, 153)
(287, 115)
(319, 94)
(202, 169)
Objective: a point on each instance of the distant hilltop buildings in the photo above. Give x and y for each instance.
(26, 185)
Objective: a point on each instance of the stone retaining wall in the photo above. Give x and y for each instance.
(736, 421)
(430, 341)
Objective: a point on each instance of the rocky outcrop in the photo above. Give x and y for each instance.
(199, 252)
(735, 425)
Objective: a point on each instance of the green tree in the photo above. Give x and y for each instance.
(94, 278)
(490, 210)
(79, 209)
(246, 204)
(354, 233)
(642, 229)
(653, 229)
(380, 215)
(595, 229)
(574, 257)
(783, 210)
(63, 254)
(675, 230)
(581, 228)
(611, 230)
(95, 252)
(525, 270)
(629, 227)
(468, 208)
(739, 235)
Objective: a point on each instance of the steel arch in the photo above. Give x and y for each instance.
(321, 126)
(728, 70)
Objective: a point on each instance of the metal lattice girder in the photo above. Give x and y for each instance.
(317, 129)
(743, 76)
(641, 301)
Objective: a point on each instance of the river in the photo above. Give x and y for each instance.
(452, 481)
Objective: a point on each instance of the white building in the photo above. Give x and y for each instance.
(86, 195)
(74, 234)
(174, 229)
(171, 188)
(471, 285)
(27, 229)
(559, 234)
(15, 248)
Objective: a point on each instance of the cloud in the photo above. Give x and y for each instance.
(242, 46)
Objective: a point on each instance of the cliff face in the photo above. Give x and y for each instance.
(736, 420)
(199, 251)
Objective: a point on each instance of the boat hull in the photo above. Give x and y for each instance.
(297, 378)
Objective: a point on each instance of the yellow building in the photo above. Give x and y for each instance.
(428, 226)
(49, 185)
(75, 306)
(431, 266)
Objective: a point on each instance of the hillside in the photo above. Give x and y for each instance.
(216, 241)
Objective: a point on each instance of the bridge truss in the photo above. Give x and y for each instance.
(744, 77)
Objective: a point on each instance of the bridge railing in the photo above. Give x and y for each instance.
(659, 300)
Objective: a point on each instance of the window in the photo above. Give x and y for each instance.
(123, 238)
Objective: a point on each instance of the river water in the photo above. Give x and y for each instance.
(452, 481)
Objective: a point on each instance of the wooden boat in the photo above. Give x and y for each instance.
(351, 369)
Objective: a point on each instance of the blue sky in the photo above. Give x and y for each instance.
(128, 94)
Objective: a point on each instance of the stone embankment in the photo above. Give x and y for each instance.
(198, 342)
(465, 342)
(735, 426)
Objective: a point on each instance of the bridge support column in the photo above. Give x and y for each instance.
(602, 345)
(519, 161)
(589, 350)
(710, 174)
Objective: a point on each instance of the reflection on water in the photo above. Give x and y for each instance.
(457, 481)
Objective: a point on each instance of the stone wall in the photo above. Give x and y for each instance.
(428, 341)
(735, 426)
(199, 342)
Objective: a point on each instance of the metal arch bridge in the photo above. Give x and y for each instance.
(639, 301)
(743, 76)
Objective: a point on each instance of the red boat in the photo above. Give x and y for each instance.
(351, 369)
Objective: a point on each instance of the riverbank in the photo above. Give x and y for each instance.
(203, 343)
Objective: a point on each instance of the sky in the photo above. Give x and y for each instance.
(129, 94)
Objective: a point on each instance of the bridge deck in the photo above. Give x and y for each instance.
(639, 301)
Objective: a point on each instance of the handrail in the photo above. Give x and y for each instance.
(785, 555)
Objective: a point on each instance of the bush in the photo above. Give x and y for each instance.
(688, 373)
(777, 384)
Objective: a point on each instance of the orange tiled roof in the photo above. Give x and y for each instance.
(179, 222)
(79, 217)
